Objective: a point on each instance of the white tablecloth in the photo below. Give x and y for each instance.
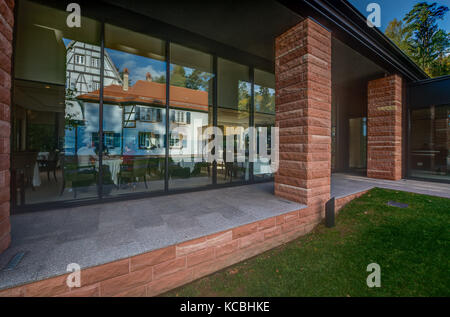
(262, 168)
(36, 176)
(114, 168)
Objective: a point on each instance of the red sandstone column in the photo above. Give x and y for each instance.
(384, 128)
(6, 36)
(303, 113)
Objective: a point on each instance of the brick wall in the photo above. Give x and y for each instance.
(303, 113)
(6, 36)
(384, 128)
(342, 201)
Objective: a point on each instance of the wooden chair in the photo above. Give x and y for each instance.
(79, 176)
(50, 164)
(137, 169)
(22, 172)
(23, 163)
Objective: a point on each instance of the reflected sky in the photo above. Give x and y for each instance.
(138, 66)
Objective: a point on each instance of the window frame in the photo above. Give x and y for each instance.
(80, 57)
(97, 62)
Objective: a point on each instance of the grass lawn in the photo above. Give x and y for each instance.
(411, 245)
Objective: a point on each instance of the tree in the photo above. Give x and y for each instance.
(398, 34)
(243, 95)
(266, 100)
(160, 79)
(178, 76)
(198, 80)
(427, 42)
(441, 65)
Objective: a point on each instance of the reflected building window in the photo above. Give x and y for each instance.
(79, 59)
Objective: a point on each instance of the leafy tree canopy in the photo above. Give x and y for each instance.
(420, 37)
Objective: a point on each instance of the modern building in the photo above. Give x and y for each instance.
(115, 112)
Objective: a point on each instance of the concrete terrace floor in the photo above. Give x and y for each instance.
(345, 184)
(98, 234)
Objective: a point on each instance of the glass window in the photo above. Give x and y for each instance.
(149, 140)
(56, 115)
(55, 155)
(134, 112)
(264, 120)
(79, 59)
(95, 62)
(234, 93)
(429, 155)
(191, 92)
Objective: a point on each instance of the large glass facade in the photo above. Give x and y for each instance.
(54, 154)
(191, 112)
(133, 112)
(429, 143)
(264, 117)
(233, 115)
(99, 111)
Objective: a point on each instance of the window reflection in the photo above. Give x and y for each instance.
(430, 143)
(264, 120)
(55, 156)
(56, 115)
(191, 84)
(234, 94)
(134, 113)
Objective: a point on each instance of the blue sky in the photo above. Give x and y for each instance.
(391, 9)
(138, 66)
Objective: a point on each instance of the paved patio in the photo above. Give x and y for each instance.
(103, 233)
(344, 185)
(99, 234)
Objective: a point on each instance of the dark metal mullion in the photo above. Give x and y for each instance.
(252, 119)
(100, 111)
(166, 169)
(215, 89)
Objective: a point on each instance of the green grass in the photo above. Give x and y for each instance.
(411, 245)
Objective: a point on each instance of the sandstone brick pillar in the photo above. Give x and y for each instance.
(384, 128)
(303, 113)
(6, 36)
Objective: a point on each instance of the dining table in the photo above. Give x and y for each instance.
(114, 168)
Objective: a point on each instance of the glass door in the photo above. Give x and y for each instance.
(357, 144)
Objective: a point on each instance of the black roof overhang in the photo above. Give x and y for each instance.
(350, 26)
(346, 23)
(429, 92)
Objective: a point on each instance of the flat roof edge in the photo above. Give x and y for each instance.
(350, 26)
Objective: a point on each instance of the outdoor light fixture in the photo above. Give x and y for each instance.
(329, 213)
